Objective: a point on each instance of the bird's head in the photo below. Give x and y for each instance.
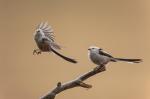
(40, 29)
(38, 33)
(94, 49)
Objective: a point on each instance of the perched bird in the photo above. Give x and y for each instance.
(100, 57)
(44, 38)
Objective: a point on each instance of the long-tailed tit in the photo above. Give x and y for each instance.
(44, 39)
(100, 57)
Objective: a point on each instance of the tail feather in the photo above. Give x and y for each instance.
(56, 46)
(64, 57)
(129, 60)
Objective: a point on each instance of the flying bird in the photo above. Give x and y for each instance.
(44, 38)
(100, 57)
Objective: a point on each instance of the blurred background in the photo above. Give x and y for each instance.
(121, 27)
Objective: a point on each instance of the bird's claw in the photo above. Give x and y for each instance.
(36, 51)
(101, 68)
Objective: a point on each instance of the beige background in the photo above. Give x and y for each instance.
(121, 27)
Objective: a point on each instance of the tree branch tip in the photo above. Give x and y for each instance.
(84, 85)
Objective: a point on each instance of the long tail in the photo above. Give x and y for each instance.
(64, 57)
(129, 60)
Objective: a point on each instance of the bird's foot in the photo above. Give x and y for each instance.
(96, 68)
(36, 51)
(101, 68)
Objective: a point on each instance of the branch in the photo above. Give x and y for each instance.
(78, 82)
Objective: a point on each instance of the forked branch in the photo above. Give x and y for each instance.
(78, 82)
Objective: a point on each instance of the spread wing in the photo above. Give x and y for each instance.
(47, 30)
(105, 53)
(49, 34)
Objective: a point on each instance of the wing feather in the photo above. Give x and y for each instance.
(47, 30)
(105, 53)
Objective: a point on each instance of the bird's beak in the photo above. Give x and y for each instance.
(89, 49)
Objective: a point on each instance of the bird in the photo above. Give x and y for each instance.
(45, 41)
(100, 57)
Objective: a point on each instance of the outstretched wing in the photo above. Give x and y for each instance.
(48, 33)
(105, 53)
(47, 30)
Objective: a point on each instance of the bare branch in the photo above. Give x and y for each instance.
(78, 82)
